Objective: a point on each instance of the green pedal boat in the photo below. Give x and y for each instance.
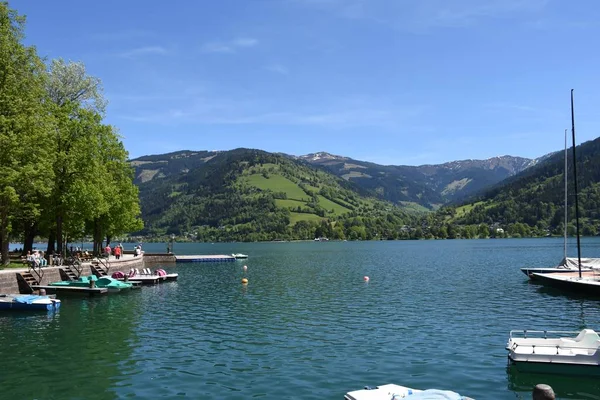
(92, 281)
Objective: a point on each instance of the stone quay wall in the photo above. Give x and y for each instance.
(9, 283)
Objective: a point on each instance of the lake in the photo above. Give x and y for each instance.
(434, 314)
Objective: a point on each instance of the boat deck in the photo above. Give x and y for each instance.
(204, 258)
(71, 290)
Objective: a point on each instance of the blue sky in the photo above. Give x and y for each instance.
(394, 82)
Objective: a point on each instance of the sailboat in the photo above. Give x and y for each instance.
(581, 279)
(559, 351)
(567, 264)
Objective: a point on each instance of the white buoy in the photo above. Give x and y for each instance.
(245, 267)
(366, 278)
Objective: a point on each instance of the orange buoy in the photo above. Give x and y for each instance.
(244, 281)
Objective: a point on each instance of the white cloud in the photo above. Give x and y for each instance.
(229, 46)
(245, 42)
(226, 112)
(144, 51)
(278, 69)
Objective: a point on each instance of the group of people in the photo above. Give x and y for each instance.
(116, 251)
(37, 258)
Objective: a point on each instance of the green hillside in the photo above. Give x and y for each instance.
(532, 203)
(249, 195)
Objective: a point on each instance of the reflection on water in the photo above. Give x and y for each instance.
(565, 387)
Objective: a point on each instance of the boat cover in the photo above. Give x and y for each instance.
(573, 262)
(27, 299)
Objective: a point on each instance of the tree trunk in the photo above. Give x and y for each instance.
(59, 235)
(29, 235)
(97, 237)
(4, 238)
(51, 240)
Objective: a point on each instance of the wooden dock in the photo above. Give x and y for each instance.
(208, 258)
(71, 290)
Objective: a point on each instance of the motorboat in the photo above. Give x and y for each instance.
(555, 351)
(239, 256)
(113, 285)
(397, 392)
(28, 302)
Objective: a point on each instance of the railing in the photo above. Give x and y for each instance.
(35, 268)
(75, 263)
(542, 334)
(105, 263)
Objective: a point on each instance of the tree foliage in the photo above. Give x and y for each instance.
(61, 168)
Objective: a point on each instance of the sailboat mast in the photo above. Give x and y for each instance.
(566, 190)
(575, 181)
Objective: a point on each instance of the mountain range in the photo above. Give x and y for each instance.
(427, 186)
(249, 194)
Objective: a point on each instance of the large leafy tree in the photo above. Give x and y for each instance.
(25, 166)
(77, 105)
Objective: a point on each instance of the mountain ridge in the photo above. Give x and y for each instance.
(428, 185)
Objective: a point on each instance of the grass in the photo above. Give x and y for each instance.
(278, 183)
(14, 264)
(330, 205)
(289, 203)
(462, 210)
(410, 206)
(295, 217)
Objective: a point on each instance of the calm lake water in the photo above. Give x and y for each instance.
(435, 314)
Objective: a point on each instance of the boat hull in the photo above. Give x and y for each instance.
(556, 368)
(572, 283)
(555, 351)
(551, 270)
(32, 303)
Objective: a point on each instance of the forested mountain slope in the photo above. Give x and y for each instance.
(428, 185)
(535, 197)
(247, 194)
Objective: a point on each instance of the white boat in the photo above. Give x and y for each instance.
(568, 264)
(238, 256)
(555, 351)
(582, 266)
(396, 392)
(588, 282)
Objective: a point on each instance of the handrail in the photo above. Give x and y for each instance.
(35, 268)
(75, 263)
(538, 334)
(105, 263)
(558, 347)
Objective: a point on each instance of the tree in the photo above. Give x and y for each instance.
(68, 83)
(78, 106)
(24, 127)
(122, 211)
